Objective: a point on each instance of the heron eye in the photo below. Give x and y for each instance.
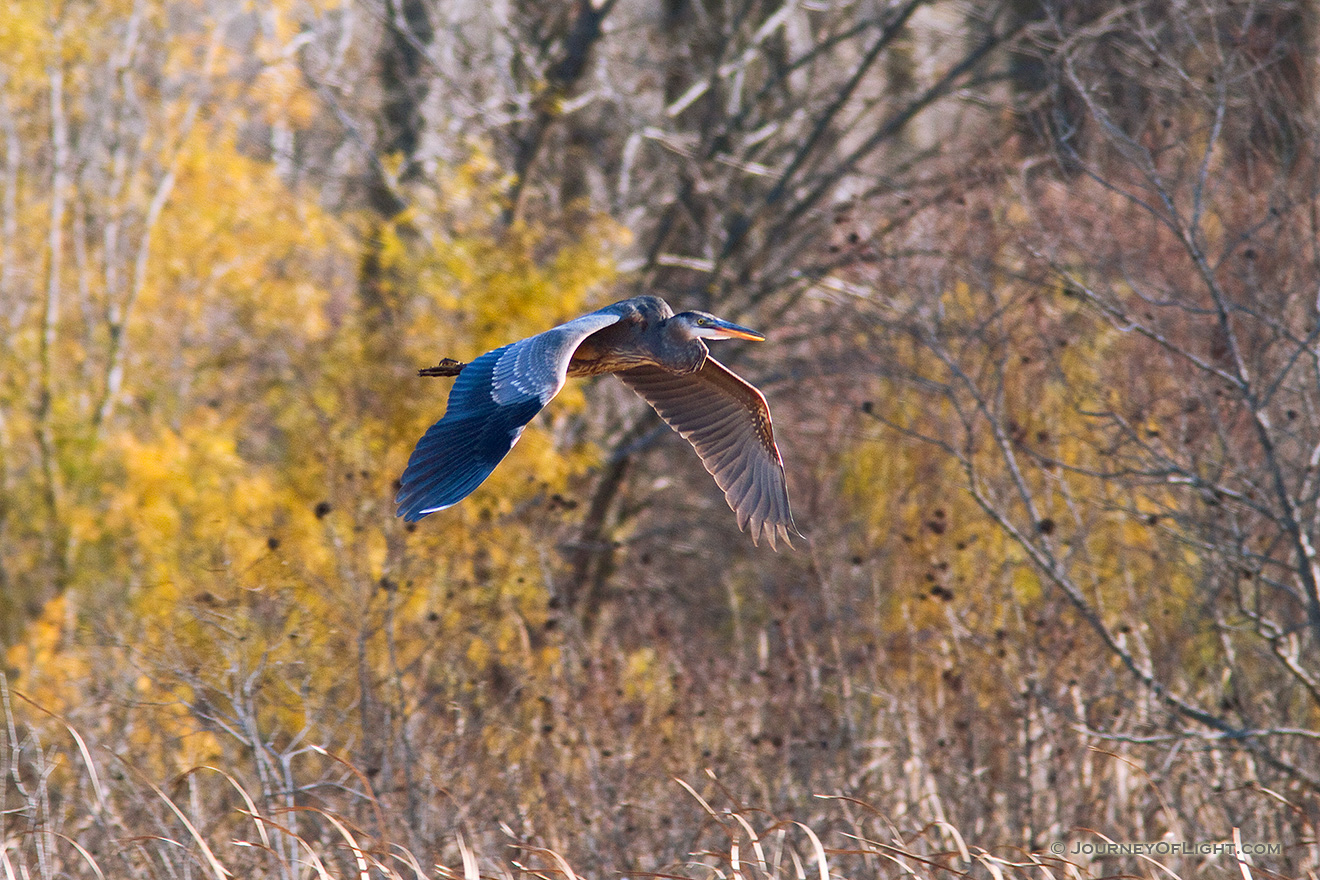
(702, 322)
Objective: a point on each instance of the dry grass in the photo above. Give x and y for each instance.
(76, 807)
(135, 827)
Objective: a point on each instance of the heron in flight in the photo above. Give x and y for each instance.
(658, 354)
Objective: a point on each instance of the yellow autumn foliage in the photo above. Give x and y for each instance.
(230, 526)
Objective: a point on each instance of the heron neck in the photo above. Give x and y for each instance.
(683, 353)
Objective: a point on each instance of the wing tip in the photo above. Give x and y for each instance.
(426, 489)
(775, 531)
(412, 513)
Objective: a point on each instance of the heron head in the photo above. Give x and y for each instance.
(703, 325)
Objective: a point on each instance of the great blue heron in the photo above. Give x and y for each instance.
(656, 353)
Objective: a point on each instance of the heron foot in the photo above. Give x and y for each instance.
(446, 367)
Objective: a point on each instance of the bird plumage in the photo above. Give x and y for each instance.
(659, 355)
(728, 423)
(492, 400)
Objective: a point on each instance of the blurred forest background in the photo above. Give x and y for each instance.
(1042, 286)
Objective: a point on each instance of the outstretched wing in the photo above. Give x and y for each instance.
(728, 422)
(491, 402)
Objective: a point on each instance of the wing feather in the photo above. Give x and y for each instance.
(491, 402)
(727, 422)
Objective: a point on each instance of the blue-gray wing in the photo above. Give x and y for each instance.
(728, 422)
(492, 400)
